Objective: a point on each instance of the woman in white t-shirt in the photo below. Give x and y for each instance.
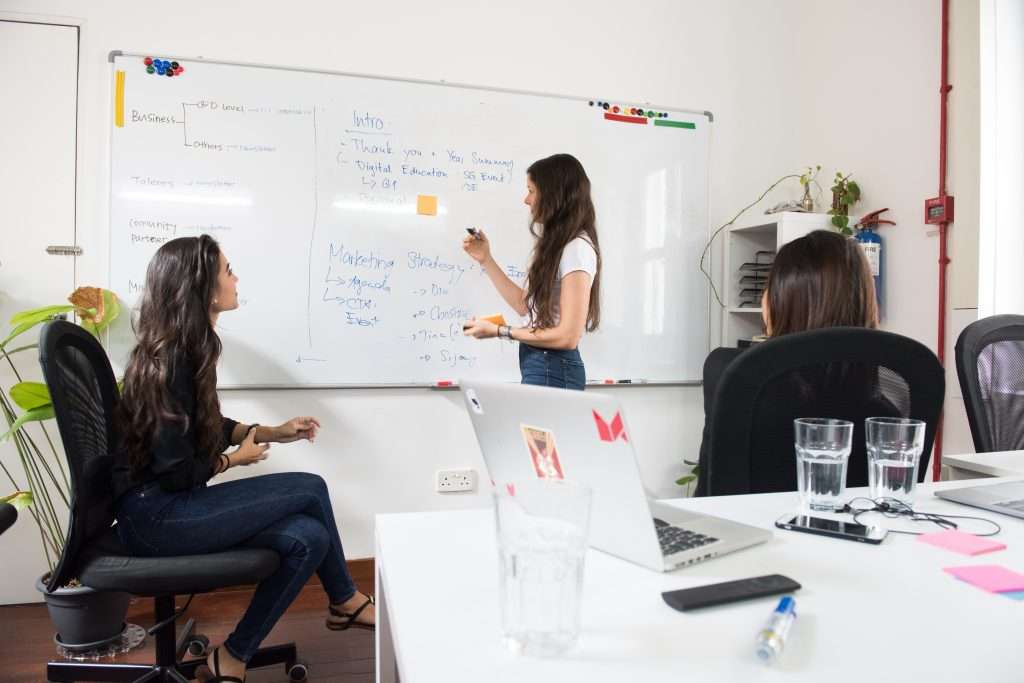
(561, 295)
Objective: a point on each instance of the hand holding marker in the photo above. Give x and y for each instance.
(498, 319)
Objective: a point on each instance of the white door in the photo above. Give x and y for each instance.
(38, 119)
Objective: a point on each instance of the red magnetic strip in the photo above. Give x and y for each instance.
(626, 119)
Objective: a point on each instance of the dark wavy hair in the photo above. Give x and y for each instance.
(564, 211)
(174, 334)
(820, 280)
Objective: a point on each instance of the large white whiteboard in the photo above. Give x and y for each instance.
(310, 181)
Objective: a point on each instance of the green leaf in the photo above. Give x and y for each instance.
(19, 499)
(35, 415)
(26, 320)
(688, 479)
(111, 308)
(29, 395)
(854, 189)
(37, 315)
(16, 331)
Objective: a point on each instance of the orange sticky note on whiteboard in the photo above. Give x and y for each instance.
(426, 205)
(497, 318)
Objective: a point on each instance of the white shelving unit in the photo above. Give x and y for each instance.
(742, 242)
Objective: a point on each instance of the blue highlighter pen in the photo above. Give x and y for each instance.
(772, 638)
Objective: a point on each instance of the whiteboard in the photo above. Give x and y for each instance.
(319, 188)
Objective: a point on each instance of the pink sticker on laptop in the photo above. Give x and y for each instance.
(543, 453)
(959, 542)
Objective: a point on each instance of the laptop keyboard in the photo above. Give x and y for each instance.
(1017, 505)
(674, 539)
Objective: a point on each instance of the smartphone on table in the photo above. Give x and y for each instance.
(850, 531)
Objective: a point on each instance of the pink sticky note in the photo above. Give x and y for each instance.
(959, 542)
(990, 577)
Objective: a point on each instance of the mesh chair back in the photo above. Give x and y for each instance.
(84, 394)
(990, 367)
(845, 373)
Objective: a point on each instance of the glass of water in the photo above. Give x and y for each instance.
(894, 446)
(542, 543)
(822, 452)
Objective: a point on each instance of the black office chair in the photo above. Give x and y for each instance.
(84, 394)
(990, 366)
(849, 373)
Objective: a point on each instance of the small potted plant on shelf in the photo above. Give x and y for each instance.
(845, 193)
(81, 615)
(807, 178)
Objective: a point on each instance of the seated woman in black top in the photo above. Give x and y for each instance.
(819, 280)
(172, 440)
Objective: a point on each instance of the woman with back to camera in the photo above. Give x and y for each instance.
(172, 439)
(819, 280)
(561, 298)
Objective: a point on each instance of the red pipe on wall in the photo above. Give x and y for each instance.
(943, 257)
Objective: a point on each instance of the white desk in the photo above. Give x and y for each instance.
(866, 613)
(974, 465)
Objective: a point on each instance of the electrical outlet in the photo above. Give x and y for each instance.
(452, 481)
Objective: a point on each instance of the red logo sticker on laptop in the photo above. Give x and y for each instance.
(543, 452)
(610, 431)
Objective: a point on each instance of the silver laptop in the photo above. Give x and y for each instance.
(535, 432)
(1007, 498)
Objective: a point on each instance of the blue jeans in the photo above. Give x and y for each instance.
(289, 512)
(552, 367)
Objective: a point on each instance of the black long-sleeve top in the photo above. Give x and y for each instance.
(175, 459)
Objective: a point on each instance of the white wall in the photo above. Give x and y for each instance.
(769, 72)
(1002, 149)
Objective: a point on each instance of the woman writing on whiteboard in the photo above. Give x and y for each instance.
(561, 297)
(172, 439)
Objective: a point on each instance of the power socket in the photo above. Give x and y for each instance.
(455, 481)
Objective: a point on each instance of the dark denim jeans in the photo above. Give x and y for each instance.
(552, 367)
(289, 512)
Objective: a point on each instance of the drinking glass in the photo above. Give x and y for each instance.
(542, 543)
(894, 446)
(822, 453)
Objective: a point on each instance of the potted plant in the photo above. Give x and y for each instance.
(81, 615)
(807, 178)
(845, 193)
(688, 479)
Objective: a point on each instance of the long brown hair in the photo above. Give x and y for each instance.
(564, 211)
(820, 280)
(174, 333)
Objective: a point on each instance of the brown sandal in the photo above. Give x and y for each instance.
(350, 619)
(204, 675)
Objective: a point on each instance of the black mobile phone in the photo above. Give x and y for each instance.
(833, 527)
(729, 591)
(471, 231)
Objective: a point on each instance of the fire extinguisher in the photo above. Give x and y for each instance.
(871, 242)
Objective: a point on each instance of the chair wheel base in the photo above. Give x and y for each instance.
(298, 672)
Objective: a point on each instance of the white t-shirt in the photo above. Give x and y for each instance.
(577, 255)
